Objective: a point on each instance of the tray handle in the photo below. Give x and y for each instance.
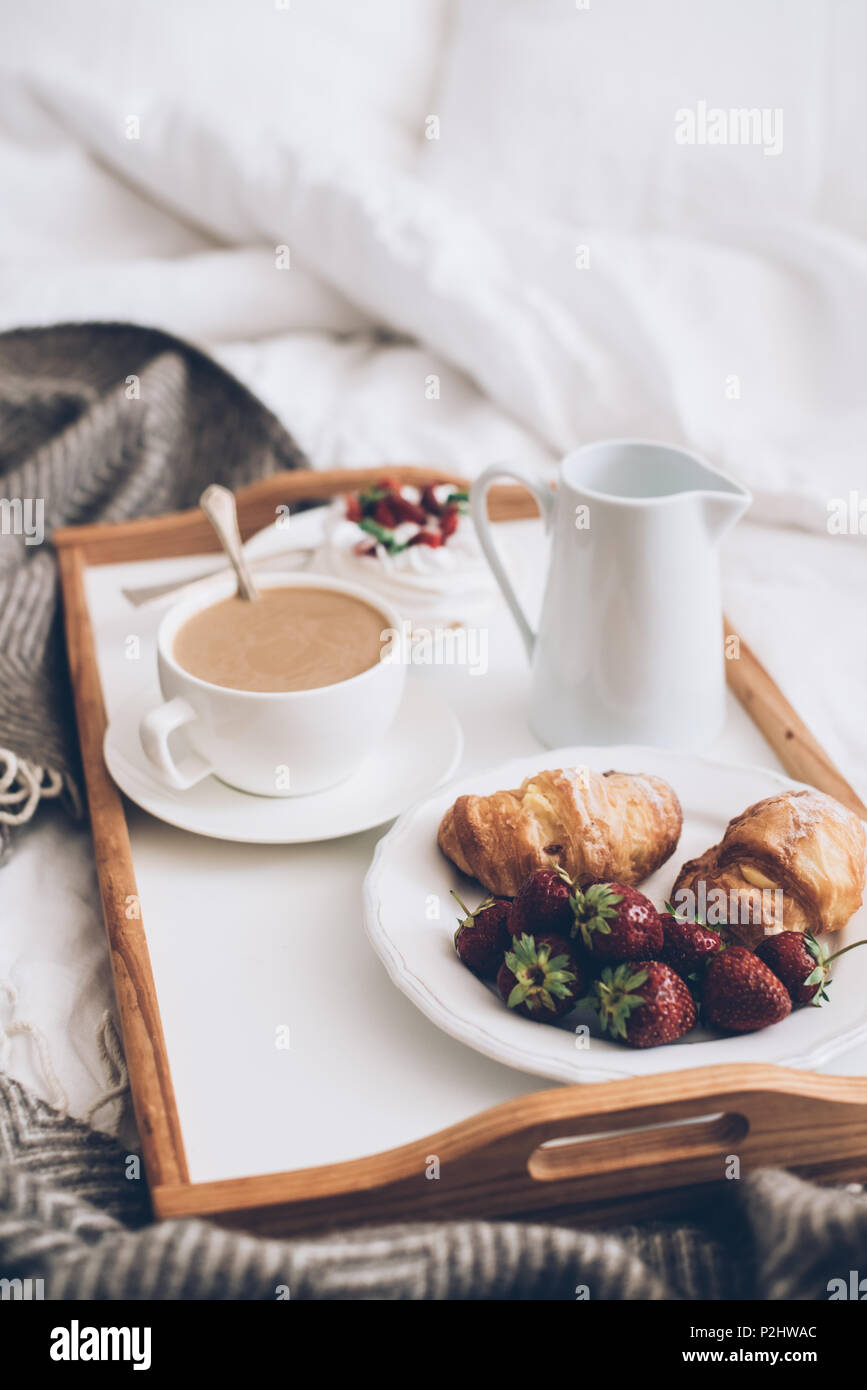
(598, 1153)
(681, 1127)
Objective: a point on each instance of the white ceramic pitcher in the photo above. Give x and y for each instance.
(630, 643)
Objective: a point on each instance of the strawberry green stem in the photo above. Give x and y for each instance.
(838, 954)
(459, 903)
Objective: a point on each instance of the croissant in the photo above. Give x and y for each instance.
(792, 862)
(610, 825)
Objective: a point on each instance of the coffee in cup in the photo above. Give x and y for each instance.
(283, 695)
(295, 638)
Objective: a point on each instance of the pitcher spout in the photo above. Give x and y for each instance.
(724, 506)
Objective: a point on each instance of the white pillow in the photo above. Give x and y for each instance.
(756, 356)
(357, 73)
(575, 114)
(78, 242)
(706, 294)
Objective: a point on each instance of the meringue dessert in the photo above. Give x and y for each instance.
(416, 547)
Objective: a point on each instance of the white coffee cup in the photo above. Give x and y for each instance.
(270, 743)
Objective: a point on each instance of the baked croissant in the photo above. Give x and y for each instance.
(610, 825)
(792, 862)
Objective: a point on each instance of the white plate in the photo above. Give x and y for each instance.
(422, 749)
(409, 879)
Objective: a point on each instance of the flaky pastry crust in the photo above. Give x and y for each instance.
(804, 857)
(613, 826)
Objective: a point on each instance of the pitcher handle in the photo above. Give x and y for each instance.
(546, 498)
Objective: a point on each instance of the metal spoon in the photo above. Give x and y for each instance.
(218, 504)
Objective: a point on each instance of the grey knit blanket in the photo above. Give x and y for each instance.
(101, 423)
(98, 422)
(70, 1217)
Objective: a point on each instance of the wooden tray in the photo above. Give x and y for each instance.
(624, 1149)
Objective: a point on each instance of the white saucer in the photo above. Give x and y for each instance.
(422, 750)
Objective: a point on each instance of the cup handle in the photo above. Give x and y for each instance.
(154, 731)
(546, 498)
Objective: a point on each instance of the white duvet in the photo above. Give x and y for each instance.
(388, 306)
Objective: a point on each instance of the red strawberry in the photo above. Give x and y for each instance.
(687, 946)
(616, 923)
(741, 994)
(482, 937)
(791, 959)
(353, 507)
(801, 962)
(408, 511)
(543, 904)
(430, 538)
(449, 520)
(642, 1003)
(390, 484)
(540, 977)
(429, 500)
(384, 513)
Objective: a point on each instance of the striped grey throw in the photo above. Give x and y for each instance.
(71, 1217)
(98, 422)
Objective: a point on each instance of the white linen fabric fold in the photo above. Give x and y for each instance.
(737, 349)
